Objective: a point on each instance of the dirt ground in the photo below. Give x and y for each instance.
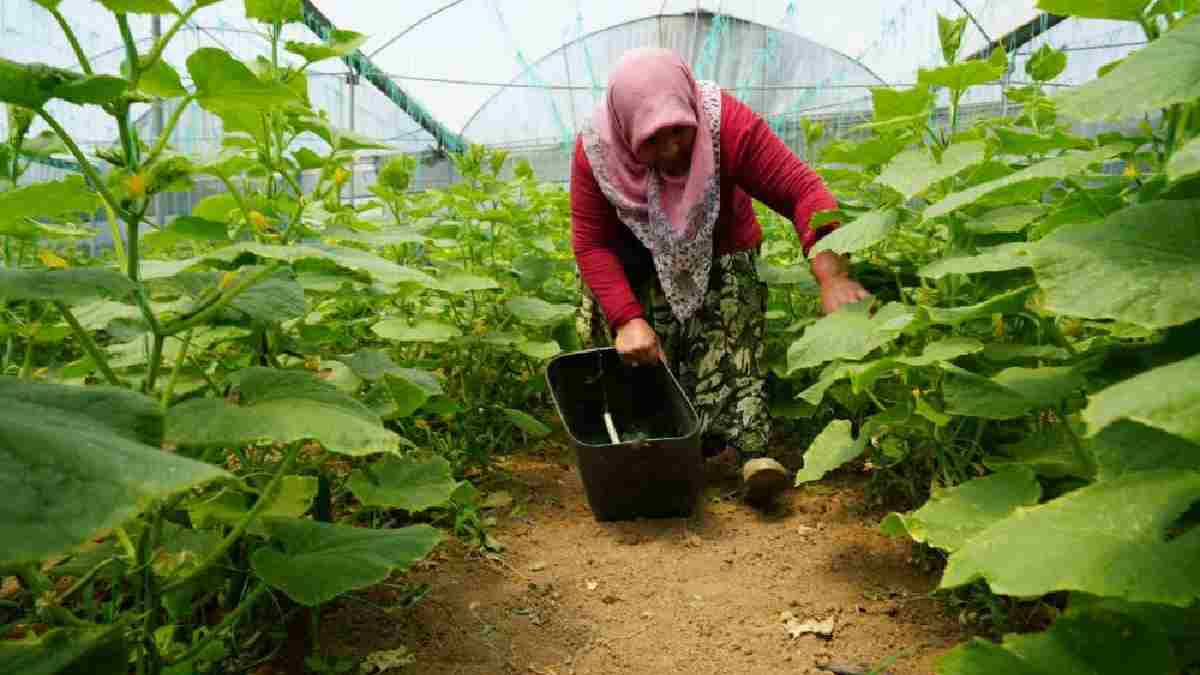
(708, 594)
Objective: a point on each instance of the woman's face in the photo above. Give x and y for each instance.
(669, 150)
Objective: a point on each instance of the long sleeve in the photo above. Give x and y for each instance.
(767, 170)
(598, 241)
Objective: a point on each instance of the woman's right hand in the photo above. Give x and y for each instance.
(638, 344)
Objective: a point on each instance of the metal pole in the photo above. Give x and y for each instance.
(157, 120)
(352, 82)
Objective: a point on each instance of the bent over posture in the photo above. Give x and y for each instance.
(666, 240)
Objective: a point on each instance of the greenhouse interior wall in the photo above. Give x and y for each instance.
(773, 55)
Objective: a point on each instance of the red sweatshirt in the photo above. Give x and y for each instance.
(754, 164)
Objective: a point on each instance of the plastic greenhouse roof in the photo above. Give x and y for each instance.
(451, 56)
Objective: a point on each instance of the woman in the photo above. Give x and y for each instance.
(666, 240)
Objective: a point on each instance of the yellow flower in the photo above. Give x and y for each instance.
(51, 260)
(136, 185)
(258, 220)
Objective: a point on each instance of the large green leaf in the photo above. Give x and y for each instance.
(961, 76)
(1010, 302)
(915, 171)
(833, 447)
(1043, 172)
(99, 314)
(32, 85)
(889, 104)
(1166, 398)
(527, 423)
(292, 499)
(950, 35)
(99, 650)
(371, 365)
(1140, 265)
(1046, 64)
(225, 84)
(1025, 143)
(1010, 394)
(72, 286)
(464, 283)
(283, 406)
(270, 11)
(48, 200)
(866, 231)
(78, 460)
(400, 330)
(160, 79)
(404, 391)
(1109, 538)
(1119, 10)
(1049, 452)
(872, 152)
(999, 258)
(954, 515)
(792, 275)
(379, 269)
(849, 333)
(404, 483)
(1186, 161)
(1125, 447)
(338, 43)
(321, 560)
(1097, 640)
(863, 375)
(537, 312)
(1164, 72)
(1006, 219)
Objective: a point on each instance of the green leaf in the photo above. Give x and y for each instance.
(45, 144)
(1006, 219)
(191, 228)
(1118, 10)
(1161, 74)
(140, 6)
(1011, 302)
(464, 283)
(533, 270)
(999, 258)
(1027, 143)
(961, 76)
(283, 406)
(1185, 162)
(866, 231)
(404, 391)
(1140, 265)
(72, 286)
(30, 85)
(50, 199)
(1043, 172)
(100, 650)
(1166, 398)
(404, 483)
(292, 500)
(849, 333)
(537, 312)
(1109, 538)
(99, 314)
(539, 350)
(527, 423)
(92, 89)
(1046, 64)
(338, 43)
(832, 448)
(872, 152)
(160, 80)
(225, 84)
(914, 171)
(954, 515)
(275, 299)
(399, 330)
(792, 275)
(381, 270)
(950, 34)
(1048, 452)
(1097, 640)
(1126, 447)
(890, 104)
(79, 460)
(321, 561)
(1016, 352)
(371, 365)
(1010, 394)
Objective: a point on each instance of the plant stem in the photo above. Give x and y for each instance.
(244, 606)
(268, 494)
(169, 390)
(88, 170)
(132, 239)
(89, 345)
(148, 592)
(118, 240)
(237, 195)
(155, 364)
(131, 54)
(1177, 129)
(83, 581)
(161, 144)
(70, 35)
(27, 364)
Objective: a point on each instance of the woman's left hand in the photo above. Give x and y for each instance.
(841, 291)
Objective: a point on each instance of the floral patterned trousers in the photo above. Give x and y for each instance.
(716, 355)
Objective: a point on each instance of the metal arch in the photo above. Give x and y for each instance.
(413, 25)
(655, 17)
(971, 16)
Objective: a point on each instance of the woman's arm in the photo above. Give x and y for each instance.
(596, 240)
(770, 172)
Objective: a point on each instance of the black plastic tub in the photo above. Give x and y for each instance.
(657, 468)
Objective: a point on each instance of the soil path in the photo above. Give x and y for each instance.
(707, 594)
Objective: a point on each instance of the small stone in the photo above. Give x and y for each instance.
(537, 566)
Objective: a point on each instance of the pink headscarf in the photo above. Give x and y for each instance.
(673, 216)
